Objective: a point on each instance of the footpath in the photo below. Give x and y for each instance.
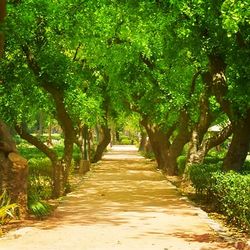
(123, 203)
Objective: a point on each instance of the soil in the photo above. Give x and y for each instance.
(123, 203)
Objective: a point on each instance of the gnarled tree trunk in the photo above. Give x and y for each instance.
(239, 147)
(196, 153)
(105, 140)
(179, 141)
(159, 141)
(13, 170)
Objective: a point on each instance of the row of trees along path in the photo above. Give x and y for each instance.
(123, 203)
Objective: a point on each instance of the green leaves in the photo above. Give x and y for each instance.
(235, 14)
(38, 207)
(8, 210)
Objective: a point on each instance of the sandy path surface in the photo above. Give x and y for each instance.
(124, 203)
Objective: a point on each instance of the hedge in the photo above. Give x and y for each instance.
(230, 191)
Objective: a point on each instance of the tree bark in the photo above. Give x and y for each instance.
(195, 154)
(106, 138)
(18, 175)
(159, 141)
(239, 147)
(84, 146)
(143, 140)
(176, 148)
(13, 171)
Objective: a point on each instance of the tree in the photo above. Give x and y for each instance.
(221, 42)
(13, 167)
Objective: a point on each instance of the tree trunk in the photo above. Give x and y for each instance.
(84, 145)
(49, 141)
(143, 140)
(18, 175)
(50, 153)
(199, 150)
(195, 154)
(13, 170)
(106, 138)
(56, 178)
(90, 144)
(85, 142)
(66, 162)
(239, 146)
(117, 136)
(159, 142)
(176, 148)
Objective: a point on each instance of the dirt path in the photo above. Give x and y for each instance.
(124, 203)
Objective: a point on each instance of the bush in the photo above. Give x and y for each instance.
(229, 192)
(7, 210)
(200, 175)
(38, 207)
(148, 154)
(213, 160)
(40, 186)
(40, 167)
(246, 168)
(40, 177)
(181, 162)
(124, 140)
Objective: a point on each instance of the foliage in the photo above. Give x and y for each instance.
(200, 175)
(181, 161)
(213, 159)
(8, 210)
(125, 140)
(228, 192)
(231, 192)
(40, 177)
(246, 167)
(109, 58)
(38, 207)
(148, 154)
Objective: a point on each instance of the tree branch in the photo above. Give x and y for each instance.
(35, 141)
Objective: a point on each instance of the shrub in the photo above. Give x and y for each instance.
(200, 175)
(40, 167)
(181, 162)
(212, 159)
(246, 168)
(125, 141)
(231, 191)
(38, 207)
(148, 154)
(7, 210)
(40, 177)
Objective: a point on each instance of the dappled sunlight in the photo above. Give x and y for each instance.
(124, 199)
